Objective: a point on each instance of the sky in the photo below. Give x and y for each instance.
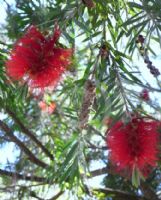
(2, 10)
(7, 151)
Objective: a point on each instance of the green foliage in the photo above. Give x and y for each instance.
(104, 42)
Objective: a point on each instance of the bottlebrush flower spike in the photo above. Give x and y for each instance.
(89, 95)
(133, 146)
(37, 60)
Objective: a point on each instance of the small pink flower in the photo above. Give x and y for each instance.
(47, 108)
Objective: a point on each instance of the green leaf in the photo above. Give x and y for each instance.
(136, 177)
(135, 5)
(133, 19)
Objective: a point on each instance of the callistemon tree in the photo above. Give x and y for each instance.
(80, 93)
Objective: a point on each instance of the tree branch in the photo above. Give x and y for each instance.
(27, 132)
(31, 156)
(33, 194)
(56, 196)
(147, 191)
(18, 176)
(99, 172)
(22, 176)
(93, 146)
(96, 132)
(119, 194)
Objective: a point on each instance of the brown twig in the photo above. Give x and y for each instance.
(96, 132)
(118, 194)
(18, 176)
(99, 172)
(92, 146)
(27, 132)
(56, 196)
(147, 191)
(33, 194)
(21, 145)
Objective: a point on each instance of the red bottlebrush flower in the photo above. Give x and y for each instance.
(133, 146)
(145, 95)
(47, 108)
(37, 60)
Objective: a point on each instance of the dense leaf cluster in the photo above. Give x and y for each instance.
(55, 157)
